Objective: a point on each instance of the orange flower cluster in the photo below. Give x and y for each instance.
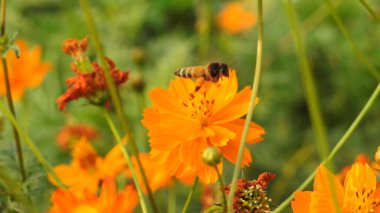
(89, 168)
(88, 171)
(358, 194)
(109, 200)
(90, 82)
(234, 18)
(183, 122)
(72, 133)
(25, 72)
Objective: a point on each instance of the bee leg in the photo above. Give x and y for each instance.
(198, 84)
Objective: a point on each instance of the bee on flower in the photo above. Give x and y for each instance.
(182, 123)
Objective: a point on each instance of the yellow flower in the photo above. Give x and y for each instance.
(183, 122)
(358, 194)
(25, 72)
(109, 200)
(88, 169)
(234, 18)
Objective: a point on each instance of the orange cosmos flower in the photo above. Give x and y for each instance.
(25, 72)
(234, 18)
(357, 195)
(72, 133)
(109, 200)
(157, 176)
(182, 123)
(88, 169)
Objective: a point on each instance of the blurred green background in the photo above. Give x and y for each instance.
(152, 39)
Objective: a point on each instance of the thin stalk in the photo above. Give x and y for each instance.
(128, 159)
(225, 207)
(203, 26)
(172, 204)
(310, 22)
(115, 97)
(312, 99)
(343, 140)
(32, 146)
(311, 96)
(255, 88)
(360, 56)
(188, 200)
(370, 10)
(9, 97)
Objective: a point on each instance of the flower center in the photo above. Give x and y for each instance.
(200, 107)
(363, 201)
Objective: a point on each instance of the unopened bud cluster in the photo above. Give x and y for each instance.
(253, 199)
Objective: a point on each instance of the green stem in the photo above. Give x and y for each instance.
(128, 159)
(336, 148)
(313, 104)
(360, 56)
(115, 97)
(188, 200)
(309, 85)
(203, 26)
(310, 22)
(31, 146)
(9, 97)
(372, 12)
(225, 207)
(172, 197)
(251, 104)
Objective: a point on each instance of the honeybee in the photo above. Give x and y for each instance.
(210, 72)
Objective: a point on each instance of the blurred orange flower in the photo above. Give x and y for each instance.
(358, 194)
(234, 18)
(182, 123)
(109, 200)
(25, 72)
(72, 133)
(157, 176)
(88, 169)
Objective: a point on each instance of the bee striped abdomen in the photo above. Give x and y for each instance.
(187, 72)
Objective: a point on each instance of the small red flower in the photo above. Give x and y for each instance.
(74, 47)
(92, 85)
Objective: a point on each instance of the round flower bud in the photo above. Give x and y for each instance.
(377, 156)
(211, 156)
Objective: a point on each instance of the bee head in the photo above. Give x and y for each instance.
(224, 69)
(214, 69)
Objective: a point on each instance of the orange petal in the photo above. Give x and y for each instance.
(222, 135)
(164, 102)
(255, 131)
(321, 197)
(230, 152)
(301, 202)
(234, 109)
